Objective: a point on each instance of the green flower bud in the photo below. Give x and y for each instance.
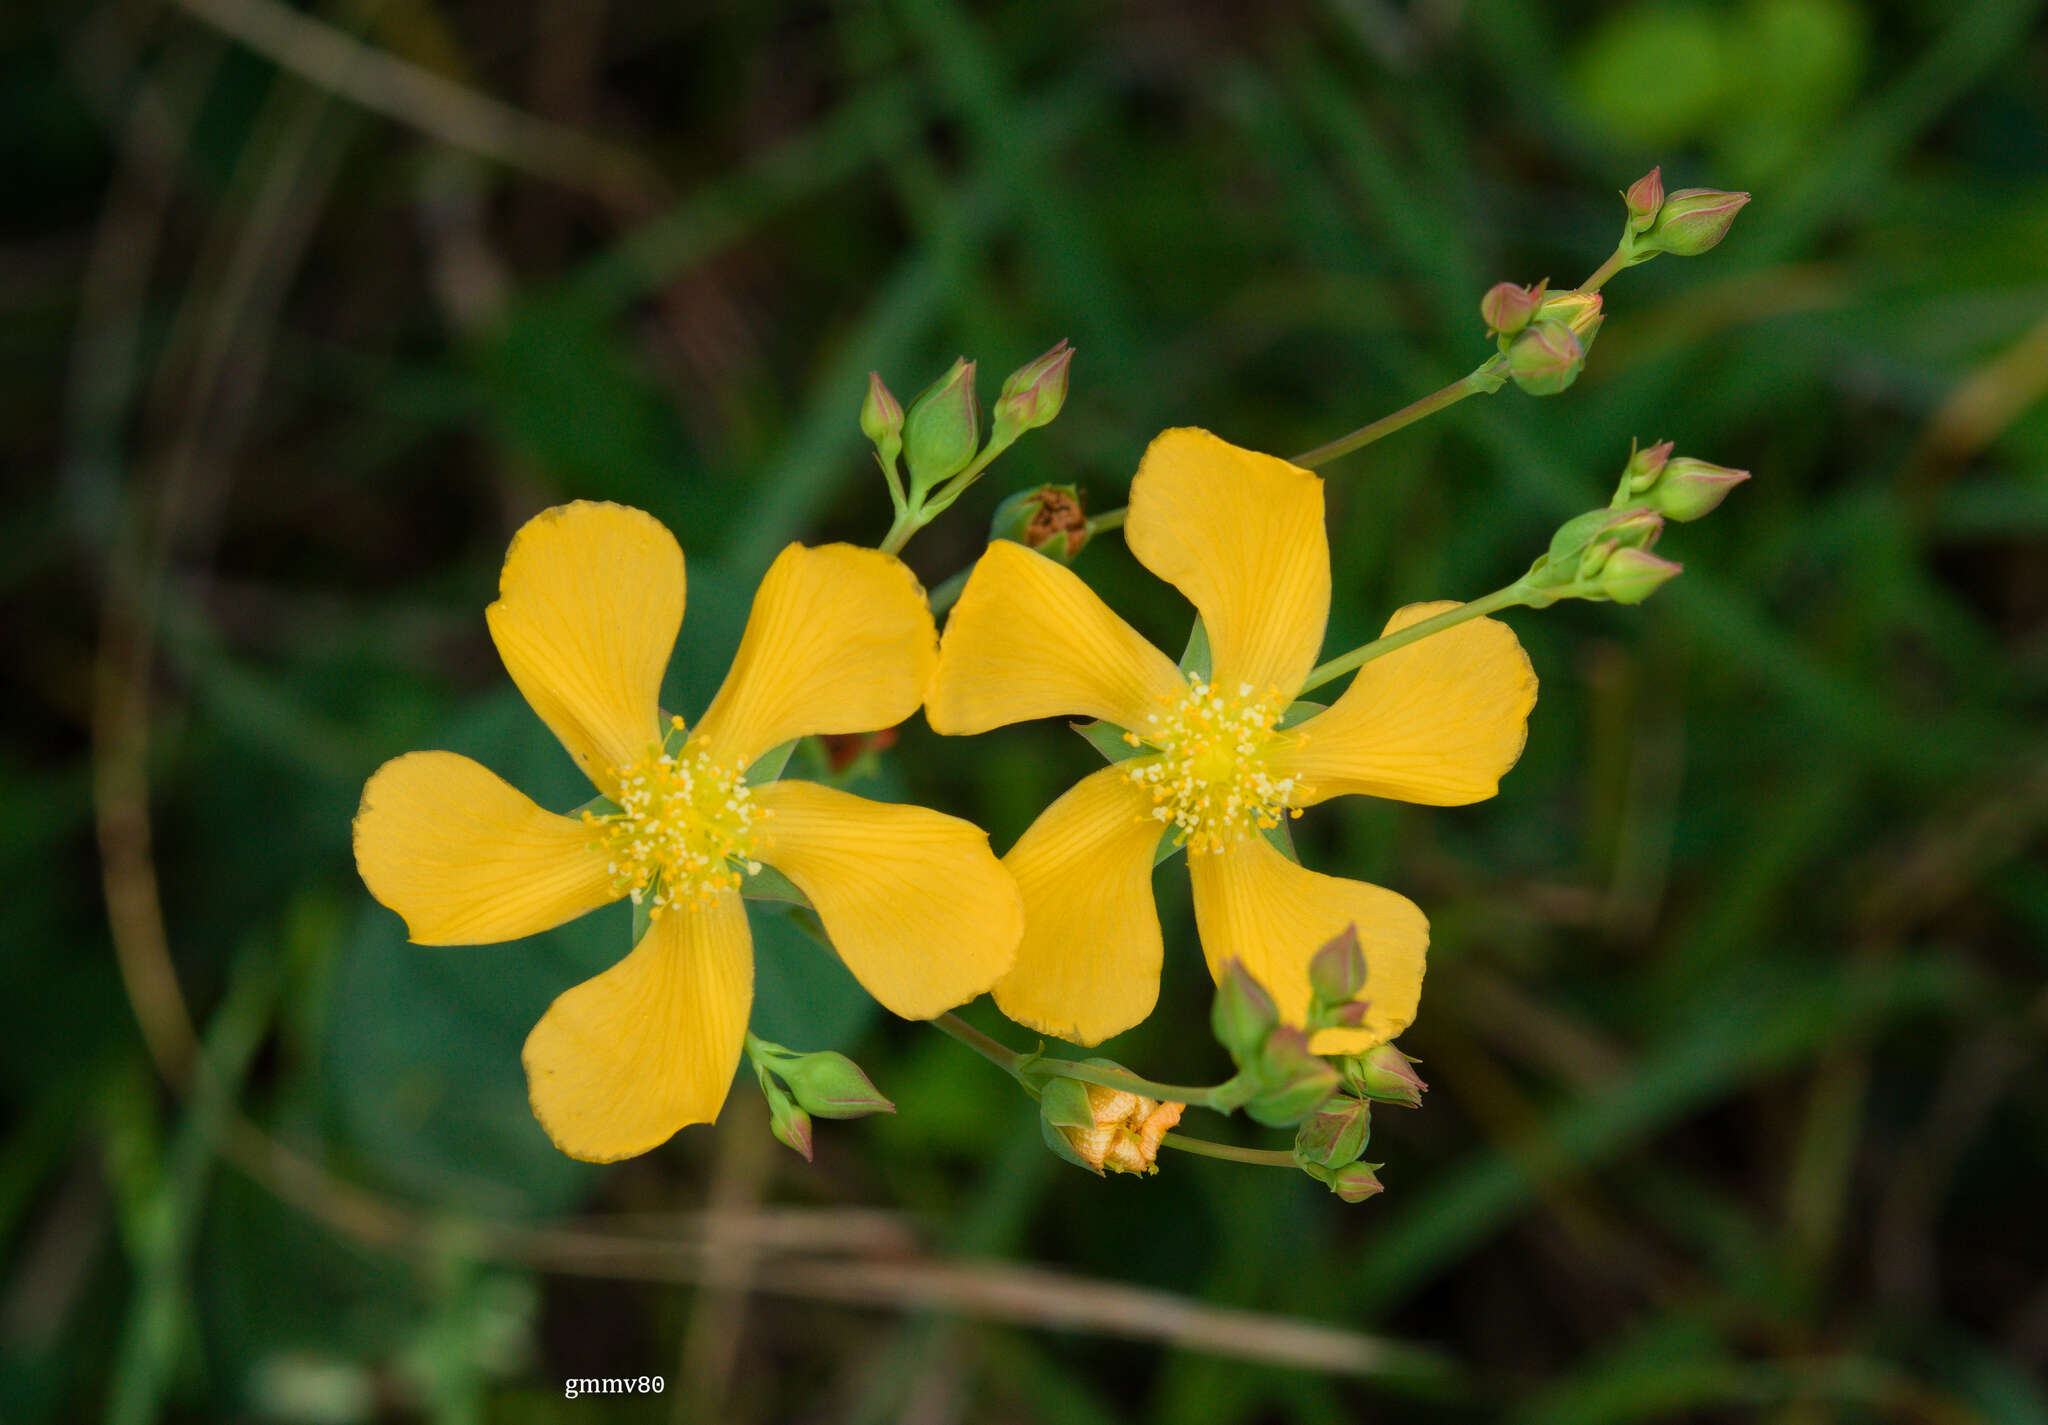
(790, 1124)
(1243, 1014)
(1583, 312)
(1063, 1109)
(1386, 1074)
(881, 420)
(1292, 1082)
(1635, 525)
(1337, 972)
(1691, 488)
(1637, 528)
(1644, 197)
(1507, 307)
(1355, 1182)
(1546, 358)
(1032, 395)
(1692, 221)
(1645, 465)
(1048, 519)
(1334, 1134)
(943, 430)
(1632, 575)
(832, 1086)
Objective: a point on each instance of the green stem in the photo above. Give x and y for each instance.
(948, 594)
(1221, 1097)
(1616, 260)
(907, 523)
(1003, 1057)
(1204, 1148)
(1107, 520)
(1336, 668)
(1480, 378)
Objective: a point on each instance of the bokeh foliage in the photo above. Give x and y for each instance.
(1736, 1011)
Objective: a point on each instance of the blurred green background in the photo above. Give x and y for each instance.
(1735, 1015)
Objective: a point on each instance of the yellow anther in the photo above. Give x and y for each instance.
(686, 829)
(1209, 770)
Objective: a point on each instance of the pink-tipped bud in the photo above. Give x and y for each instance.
(1334, 1134)
(1243, 1015)
(1691, 488)
(1693, 220)
(1386, 1074)
(942, 431)
(1336, 973)
(1631, 575)
(1546, 358)
(1644, 197)
(881, 420)
(1583, 312)
(1637, 528)
(792, 1128)
(1355, 1182)
(1508, 307)
(1032, 394)
(832, 1086)
(1646, 464)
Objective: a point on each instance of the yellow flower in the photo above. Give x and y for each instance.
(840, 640)
(1241, 534)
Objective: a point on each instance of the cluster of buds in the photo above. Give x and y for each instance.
(1685, 223)
(1048, 518)
(798, 1086)
(1544, 335)
(939, 438)
(1105, 1130)
(1605, 554)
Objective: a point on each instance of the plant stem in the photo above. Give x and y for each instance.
(1616, 260)
(1216, 1097)
(1107, 520)
(1204, 1148)
(948, 593)
(907, 523)
(1499, 599)
(1004, 1058)
(1478, 379)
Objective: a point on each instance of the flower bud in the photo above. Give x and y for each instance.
(1635, 528)
(1337, 972)
(1644, 197)
(1104, 1128)
(1646, 464)
(1334, 1134)
(1048, 519)
(1292, 1082)
(943, 430)
(1507, 306)
(1691, 488)
(1355, 1182)
(1386, 1074)
(1632, 575)
(1692, 221)
(790, 1124)
(1546, 358)
(1243, 1015)
(1635, 525)
(1032, 395)
(881, 420)
(1583, 312)
(832, 1086)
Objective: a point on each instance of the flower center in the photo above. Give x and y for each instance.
(686, 828)
(1208, 770)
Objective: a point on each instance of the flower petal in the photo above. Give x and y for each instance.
(840, 640)
(622, 1061)
(1088, 966)
(1241, 534)
(1437, 722)
(1254, 905)
(1029, 639)
(588, 608)
(466, 858)
(914, 901)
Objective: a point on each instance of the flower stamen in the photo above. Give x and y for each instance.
(1209, 772)
(685, 830)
